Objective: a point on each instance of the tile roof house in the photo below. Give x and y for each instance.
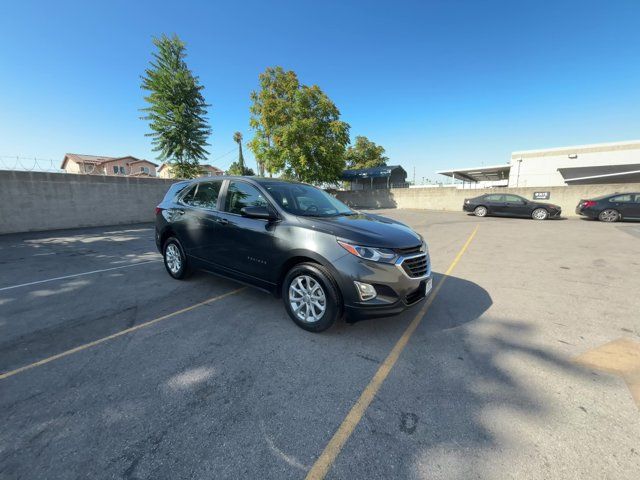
(101, 165)
(207, 171)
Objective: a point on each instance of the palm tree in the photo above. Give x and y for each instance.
(237, 137)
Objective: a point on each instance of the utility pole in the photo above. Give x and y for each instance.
(414, 174)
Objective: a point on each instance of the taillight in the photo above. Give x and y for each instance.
(588, 203)
(158, 210)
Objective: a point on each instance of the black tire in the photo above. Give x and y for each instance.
(609, 215)
(321, 277)
(540, 214)
(480, 211)
(170, 248)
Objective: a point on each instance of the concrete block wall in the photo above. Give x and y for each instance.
(452, 198)
(33, 201)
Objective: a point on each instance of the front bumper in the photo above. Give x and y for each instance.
(555, 213)
(396, 290)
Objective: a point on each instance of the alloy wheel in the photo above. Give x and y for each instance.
(307, 299)
(173, 258)
(480, 211)
(609, 215)
(540, 214)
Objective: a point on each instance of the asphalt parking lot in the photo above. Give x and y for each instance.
(525, 365)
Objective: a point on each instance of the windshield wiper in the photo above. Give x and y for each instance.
(345, 214)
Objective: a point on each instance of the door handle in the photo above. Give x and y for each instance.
(222, 221)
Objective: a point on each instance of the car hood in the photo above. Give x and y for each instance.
(365, 229)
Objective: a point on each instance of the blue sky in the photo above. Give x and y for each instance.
(439, 84)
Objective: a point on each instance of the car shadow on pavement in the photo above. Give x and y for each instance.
(459, 396)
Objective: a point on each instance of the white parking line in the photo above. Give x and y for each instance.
(75, 275)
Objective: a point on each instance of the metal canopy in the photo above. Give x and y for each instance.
(479, 174)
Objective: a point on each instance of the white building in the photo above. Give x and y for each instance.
(617, 162)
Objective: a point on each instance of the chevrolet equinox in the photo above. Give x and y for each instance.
(297, 242)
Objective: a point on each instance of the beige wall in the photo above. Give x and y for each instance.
(452, 198)
(31, 201)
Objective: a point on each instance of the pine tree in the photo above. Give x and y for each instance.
(177, 111)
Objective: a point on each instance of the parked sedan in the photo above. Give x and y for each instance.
(510, 205)
(612, 207)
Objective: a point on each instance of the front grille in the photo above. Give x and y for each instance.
(416, 266)
(408, 250)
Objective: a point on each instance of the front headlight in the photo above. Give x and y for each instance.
(383, 255)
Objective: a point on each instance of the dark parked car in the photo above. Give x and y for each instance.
(297, 242)
(612, 207)
(510, 205)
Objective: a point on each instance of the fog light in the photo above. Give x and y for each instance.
(366, 291)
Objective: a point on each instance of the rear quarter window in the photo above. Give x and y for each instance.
(174, 190)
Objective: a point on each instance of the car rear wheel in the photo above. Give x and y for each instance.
(480, 211)
(540, 214)
(311, 297)
(175, 261)
(609, 215)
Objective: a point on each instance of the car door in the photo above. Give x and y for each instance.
(516, 206)
(495, 204)
(624, 204)
(248, 245)
(198, 222)
(633, 208)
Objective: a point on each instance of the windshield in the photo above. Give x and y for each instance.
(305, 200)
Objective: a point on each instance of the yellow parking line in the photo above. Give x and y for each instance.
(115, 335)
(333, 448)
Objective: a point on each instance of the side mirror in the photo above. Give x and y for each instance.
(263, 213)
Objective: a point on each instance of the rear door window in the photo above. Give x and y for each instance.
(240, 195)
(494, 198)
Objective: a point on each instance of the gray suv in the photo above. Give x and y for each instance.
(297, 242)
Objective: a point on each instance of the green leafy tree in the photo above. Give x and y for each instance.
(365, 154)
(298, 131)
(177, 111)
(236, 169)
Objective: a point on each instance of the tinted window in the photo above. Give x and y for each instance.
(203, 195)
(240, 195)
(637, 200)
(174, 190)
(621, 198)
(301, 199)
(494, 198)
(513, 199)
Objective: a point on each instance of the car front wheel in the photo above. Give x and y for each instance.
(540, 214)
(609, 215)
(311, 297)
